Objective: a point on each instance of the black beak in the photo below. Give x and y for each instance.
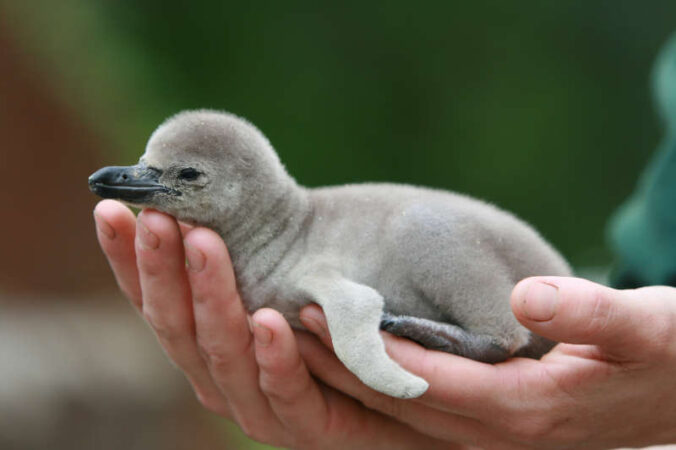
(134, 184)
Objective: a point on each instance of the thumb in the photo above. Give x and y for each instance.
(626, 324)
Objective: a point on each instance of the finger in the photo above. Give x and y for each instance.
(185, 227)
(457, 384)
(312, 317)
(429, 421)
(578, 311)
(116, 230)
(166, 301)
(223, 335)
(161, 263)
(293, 395)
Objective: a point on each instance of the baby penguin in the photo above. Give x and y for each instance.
(429, 265)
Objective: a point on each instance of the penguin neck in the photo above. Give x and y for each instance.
(264, 230)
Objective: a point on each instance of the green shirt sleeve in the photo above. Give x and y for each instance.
(642, 233)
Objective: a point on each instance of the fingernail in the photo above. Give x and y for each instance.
(148, 239)
(311, 319)
(104, 227)
(540, 301)
(262, 334)
(195, 258)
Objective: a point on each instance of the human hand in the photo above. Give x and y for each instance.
(613, 384)
(259, 382)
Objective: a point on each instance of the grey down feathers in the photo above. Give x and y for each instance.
(430, 265)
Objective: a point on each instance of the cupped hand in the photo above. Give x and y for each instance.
(612, 384)
(247, 369)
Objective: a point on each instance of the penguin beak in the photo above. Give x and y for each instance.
(133, 184)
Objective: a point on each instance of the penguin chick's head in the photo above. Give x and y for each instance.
(199, 166)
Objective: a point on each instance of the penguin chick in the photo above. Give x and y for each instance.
(430, 265)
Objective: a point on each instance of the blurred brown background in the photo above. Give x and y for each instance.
(46, 150)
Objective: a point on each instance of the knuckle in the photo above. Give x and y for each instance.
(250, 431)
(216, 358)
(601, 310)
(219, 356)
(272, 388)
(150, 268)
(164, 328)
(282, 390)
(202, 293)
(253, 430)
(213, 404)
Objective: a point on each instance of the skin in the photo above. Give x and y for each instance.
(612, 384)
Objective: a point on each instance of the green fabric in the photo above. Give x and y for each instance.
(643, 232)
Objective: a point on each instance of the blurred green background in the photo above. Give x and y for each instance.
(540, 107)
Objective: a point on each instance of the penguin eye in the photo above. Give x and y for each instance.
(188, 174)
